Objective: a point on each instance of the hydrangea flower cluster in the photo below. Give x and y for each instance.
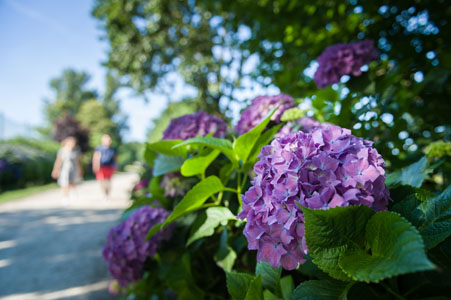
(259, 109)
(142, 184)
(192, 125)
(325, 168)
(343, 59)
(126, 249)
(183, 128)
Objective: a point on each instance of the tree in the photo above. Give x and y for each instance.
(94, 115)
(67, 126)
(74, 99)
(70, 93)
(173, 110)
(149, 41)
(407, 92)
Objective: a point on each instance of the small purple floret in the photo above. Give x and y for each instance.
(199, 123)
(126, 249)
(325, 168)
(343, 59)
(259, 109)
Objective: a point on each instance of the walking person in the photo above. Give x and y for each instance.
(104, 164)
(67, 168)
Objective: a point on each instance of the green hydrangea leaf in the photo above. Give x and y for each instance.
(198, 165)
(165, 147)
(164, 164)
(436, 220)
(192, 201)
(223, 145)
(246, 142)
(267, 295)
(270, 276)
(225, 256)
(208, 220)
(255, 291)
(287, 287)
(430, 214)
(395, 248)
(412, 175)
(321, 290)
(263, 140)
(331, 232)
(238, 284)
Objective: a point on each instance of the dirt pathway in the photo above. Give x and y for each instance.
(48, 251)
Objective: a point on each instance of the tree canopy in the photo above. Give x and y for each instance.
(405, 93)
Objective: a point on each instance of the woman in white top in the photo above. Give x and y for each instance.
(67, 168)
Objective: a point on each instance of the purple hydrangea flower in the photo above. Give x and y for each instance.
(189, 126)
(126, 249)
(143, 183)
(174, 184)
(325, 168)
(259, 109)
(343, 59)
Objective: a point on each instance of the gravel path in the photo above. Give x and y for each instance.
(50, 251)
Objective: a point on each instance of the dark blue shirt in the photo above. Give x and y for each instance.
(106, 155)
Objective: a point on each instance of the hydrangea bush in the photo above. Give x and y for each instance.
(343, 59)
(127, 249)
(326, 168)
(260, 107)
(286, 208)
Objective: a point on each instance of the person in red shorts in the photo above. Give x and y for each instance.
(104, 164)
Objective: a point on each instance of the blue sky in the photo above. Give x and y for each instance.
(38, 39)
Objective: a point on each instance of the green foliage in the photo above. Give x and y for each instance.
(354, 242)
(225, 146)
(192, 201)
(320, 290)
(270, 275)
(244, 286)
(197, 165)
(394, 247)
(26, 163)
(331, 232)
(94, 115)
(286, 286)
(246, 142)
(412, 175)
(292, 114)
(438, 149)
(70, 94)
(173, 110)
(165, 147)
(400, 103)
(164, 164)
(431, 216)
(225, 256)
(208, 220)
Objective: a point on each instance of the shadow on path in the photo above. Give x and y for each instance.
(54, 253)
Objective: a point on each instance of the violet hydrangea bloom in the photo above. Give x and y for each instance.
(343, 59)
(259, 109)
(183, 128)
(126, 249)
(192, 125)
(143, 183)
(325, 168)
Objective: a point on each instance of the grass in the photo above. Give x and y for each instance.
(17, 194)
